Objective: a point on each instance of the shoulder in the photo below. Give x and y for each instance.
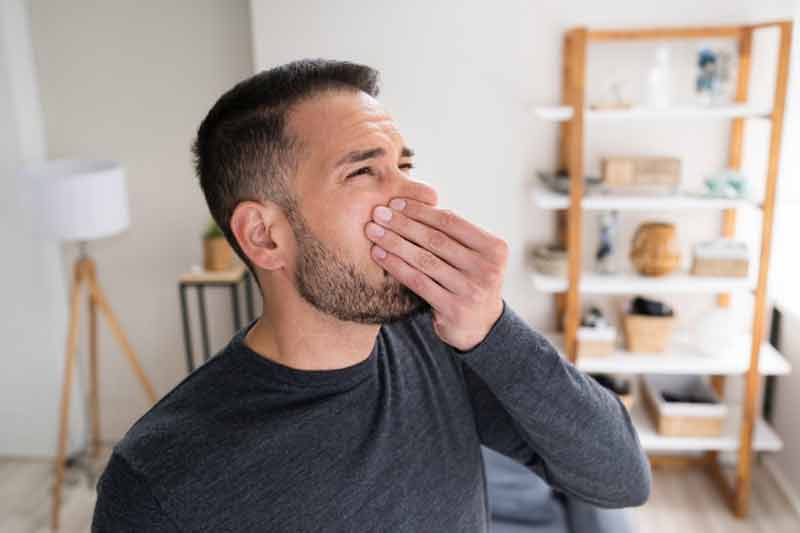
(125, 502)
(178, 425)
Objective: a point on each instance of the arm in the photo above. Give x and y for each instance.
(125, 503)
(534, 406)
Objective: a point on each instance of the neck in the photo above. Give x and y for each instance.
(294, 333)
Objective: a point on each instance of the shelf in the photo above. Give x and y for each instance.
(680, 358)
(546, 199)
(562, 113)
(764, 437)
(631, 283)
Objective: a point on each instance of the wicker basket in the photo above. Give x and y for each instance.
(679, 419)
(645, 333)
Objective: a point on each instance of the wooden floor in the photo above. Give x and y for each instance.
(683, 500)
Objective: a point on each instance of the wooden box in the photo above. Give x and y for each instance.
(643, 174)
(683, 419)
(720, 257)
(593, 342)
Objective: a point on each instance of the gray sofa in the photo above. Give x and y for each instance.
(522, 502)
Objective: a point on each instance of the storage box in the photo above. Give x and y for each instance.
(720, 257)
(646, 333)
(643, 174)
(683, 419)
(595, 341)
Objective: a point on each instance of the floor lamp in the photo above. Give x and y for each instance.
(83, 201)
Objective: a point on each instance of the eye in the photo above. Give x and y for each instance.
(408, 166)
(359, 171)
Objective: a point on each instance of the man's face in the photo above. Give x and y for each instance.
(337, 193)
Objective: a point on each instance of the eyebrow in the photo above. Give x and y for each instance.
(361, 155)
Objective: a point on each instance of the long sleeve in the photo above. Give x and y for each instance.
(125, 503)
(533, 405)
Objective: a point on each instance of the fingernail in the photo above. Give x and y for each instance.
(383, 213)
(375, 230)
(397, 204)
(380, 252)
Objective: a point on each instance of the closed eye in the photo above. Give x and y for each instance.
(407, 166)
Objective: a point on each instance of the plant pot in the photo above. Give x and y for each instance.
(217, 254)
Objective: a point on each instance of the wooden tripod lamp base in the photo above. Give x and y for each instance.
(84, 271)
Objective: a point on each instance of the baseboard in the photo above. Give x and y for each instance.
(783, 484)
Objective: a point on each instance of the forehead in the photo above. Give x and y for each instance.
(337, 121)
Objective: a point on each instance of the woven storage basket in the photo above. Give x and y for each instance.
(679, 419)
(645, 333)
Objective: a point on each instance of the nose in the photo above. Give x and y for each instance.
(403, 186)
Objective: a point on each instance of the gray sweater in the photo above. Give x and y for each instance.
(391, 443)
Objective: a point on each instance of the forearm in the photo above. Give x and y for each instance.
(582, 432)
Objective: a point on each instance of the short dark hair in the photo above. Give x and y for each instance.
(243, 150)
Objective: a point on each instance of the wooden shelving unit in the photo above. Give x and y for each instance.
(745, 431)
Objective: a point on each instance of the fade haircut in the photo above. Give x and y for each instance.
(243, 150)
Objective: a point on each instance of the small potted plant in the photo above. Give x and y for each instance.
(217, 253)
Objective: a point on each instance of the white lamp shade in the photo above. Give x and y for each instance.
(80, 200)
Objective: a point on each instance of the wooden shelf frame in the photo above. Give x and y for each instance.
(571, 158)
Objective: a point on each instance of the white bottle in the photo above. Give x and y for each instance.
(658, 82)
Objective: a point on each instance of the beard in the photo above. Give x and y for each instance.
(337, 287)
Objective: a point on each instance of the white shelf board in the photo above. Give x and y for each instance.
(764, 437)
(561, 113)
(546, 199)
(680, 358)
(632, 283)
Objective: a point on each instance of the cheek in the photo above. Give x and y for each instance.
(347, 223)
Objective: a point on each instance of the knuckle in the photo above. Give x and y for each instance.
(426, 260)
(437, 241)
(447, 218)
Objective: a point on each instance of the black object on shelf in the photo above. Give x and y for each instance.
(645, 306)
(618, 386)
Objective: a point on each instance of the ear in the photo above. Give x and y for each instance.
(263, 233)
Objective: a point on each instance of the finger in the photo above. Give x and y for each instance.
(419, 282)
(454, 225)
(437, 242)
(423, 260)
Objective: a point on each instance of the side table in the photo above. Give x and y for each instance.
(201, 279)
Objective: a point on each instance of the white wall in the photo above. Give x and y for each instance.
(33, 319)
(129, 81)
(462, 78)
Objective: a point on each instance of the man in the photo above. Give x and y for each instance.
(385, 355)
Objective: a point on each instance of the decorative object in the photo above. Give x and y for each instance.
(605, 256)
(683, 405)
(728, 183)
(708, 83)
(720, 331)
(83, 201)
(642, 174)
(217, 253)
(595, 335)
(616, 100)
(647, 326)
(622, 387)
(658, 82)
(550, 259)
(720, 257)
(559, 182)
(654, 249)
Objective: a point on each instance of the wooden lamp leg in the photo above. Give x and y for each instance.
(100, 300)
(72, 345)
(94, 403)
